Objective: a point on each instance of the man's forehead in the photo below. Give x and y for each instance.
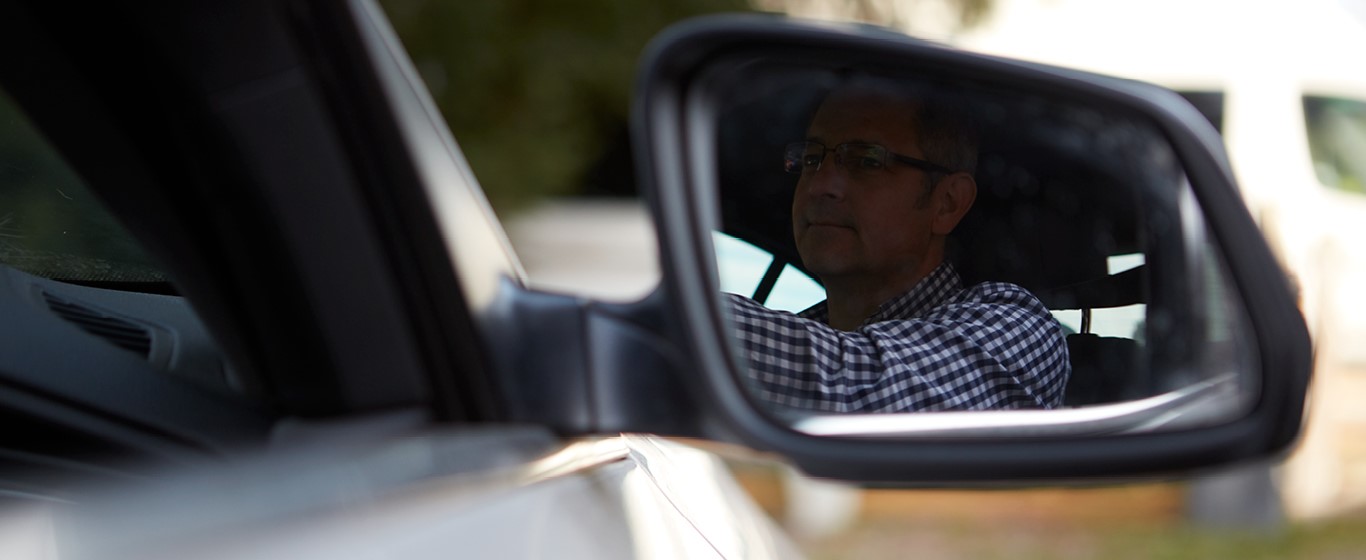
(863, 115)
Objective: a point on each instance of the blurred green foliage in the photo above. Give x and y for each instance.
(1337, 141)
(537, 92)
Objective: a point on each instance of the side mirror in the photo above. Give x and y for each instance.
(1109, 202)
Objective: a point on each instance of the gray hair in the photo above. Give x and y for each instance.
(944, 128)
(945, 133)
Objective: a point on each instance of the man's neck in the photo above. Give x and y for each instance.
(849, 301)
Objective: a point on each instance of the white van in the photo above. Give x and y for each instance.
(1286, 85)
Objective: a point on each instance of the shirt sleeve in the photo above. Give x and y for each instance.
(993, 347)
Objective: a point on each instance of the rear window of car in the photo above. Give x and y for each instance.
(51, 225)
(742, 268)
(1337, 141)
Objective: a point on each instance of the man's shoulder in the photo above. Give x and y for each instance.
(999, 293)
(996, 289)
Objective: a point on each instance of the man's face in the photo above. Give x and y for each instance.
(872, 224)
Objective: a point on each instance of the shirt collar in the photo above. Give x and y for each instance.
(934, 289)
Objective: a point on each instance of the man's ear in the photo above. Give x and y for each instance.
(952, 199)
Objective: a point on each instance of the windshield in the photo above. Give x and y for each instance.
(51, 225)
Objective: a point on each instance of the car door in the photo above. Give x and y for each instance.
(234, 174)
(317, 239)
(401, 389)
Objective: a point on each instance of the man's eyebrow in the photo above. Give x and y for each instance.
(821, 141)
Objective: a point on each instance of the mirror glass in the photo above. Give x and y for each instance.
(896, 242)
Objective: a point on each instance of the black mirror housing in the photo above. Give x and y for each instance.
(674, 123)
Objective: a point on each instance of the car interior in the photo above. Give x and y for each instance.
(1051, 215)
(96, 319)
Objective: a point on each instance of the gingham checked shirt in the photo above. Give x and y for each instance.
(936, 347)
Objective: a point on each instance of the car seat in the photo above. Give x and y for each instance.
(1054, 237)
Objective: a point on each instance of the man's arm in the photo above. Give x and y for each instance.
(993, 347)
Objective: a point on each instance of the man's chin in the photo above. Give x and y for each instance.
(824, 265)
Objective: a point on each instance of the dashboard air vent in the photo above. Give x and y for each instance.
(122, 333)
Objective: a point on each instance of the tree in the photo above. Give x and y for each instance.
(538, 91)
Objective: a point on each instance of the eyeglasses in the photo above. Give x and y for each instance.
(856, 157)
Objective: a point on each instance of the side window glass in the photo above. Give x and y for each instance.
(50, 224)
(1337, 141)
(65, 256)
(742, 267)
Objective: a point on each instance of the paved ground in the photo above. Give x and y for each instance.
(603, 248)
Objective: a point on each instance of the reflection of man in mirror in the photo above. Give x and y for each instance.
(885, 176)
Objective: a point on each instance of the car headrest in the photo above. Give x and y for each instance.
(1115, 290)
(1046, 235)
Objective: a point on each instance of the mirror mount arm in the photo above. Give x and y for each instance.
(584, 367)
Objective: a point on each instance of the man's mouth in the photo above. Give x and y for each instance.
(827, 223)
(826, 217)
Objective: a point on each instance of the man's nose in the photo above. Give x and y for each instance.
(827, 181)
